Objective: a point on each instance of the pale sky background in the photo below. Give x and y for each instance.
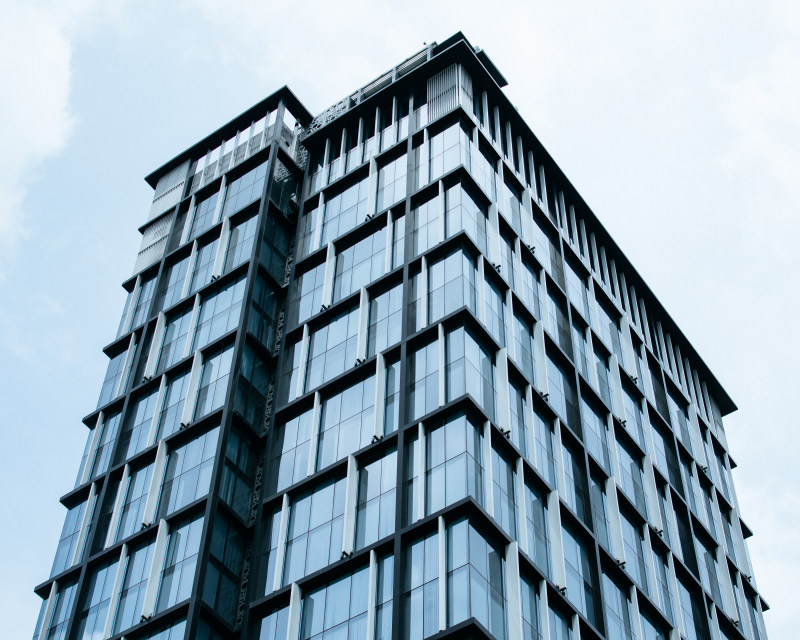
(679, 123)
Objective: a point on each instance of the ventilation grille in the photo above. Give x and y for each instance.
(154, 242)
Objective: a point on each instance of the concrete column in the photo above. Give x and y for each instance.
(350, 505)
(442, 540)
(155, 347)
(159, 555)
(372, 594)
(154, 491)
(222, 248)
(330, 276)
(160, 399)
(280, 552)
(313, 445)
(487, 469)
(503, 407)
(113, 602)
(363, 326)
(85, 524)
(191, 392)
(116, 514)
(514, 615)
(295, 607)
(380, 396)
(187, 282)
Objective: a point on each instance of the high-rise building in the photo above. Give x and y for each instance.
(383, 374)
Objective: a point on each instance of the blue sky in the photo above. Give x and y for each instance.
(677, 122)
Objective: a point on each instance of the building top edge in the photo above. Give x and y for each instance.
(285, 94)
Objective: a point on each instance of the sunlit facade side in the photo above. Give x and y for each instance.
(383, 374)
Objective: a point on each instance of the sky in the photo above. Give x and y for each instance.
(677, 122)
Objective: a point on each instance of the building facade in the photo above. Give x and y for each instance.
(383, 374)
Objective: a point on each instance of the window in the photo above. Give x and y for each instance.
(595, 433)
(213, 382)
(360, 264)
(451, 285)
(454, 463)
(112, 382)
(392, 182)
(240, 245)
(504, 486)
(633, 417)
(385, 320)
(536, 523)
(131, 599)
(652, 630)
(92, 618)
(174, 345)
(630, 469)
(495, 312)
(580, 580)
(427, 227)
(70, 535)
(344, 211)
(523, 346)
(662, 595)
(290, 453)
(545, 460)
(306, 297)
(634, 552)
(204, 265)
(602, 525)
(244, 190)
(265, 309)
(237, 472)
(398, 239)
(463, 213)
(483, 171)
(348, 422)
(576, 290)
(475, 579)
(181, 560)
(531, 611)
(224, 569)
(606, 325)
(275, 625)
(558, 322)
(562, 396)
(375, 509)
(204, 215)
(603, 375)
(135, 499)
(518, 406)
(579, 342)
(448, 149)
(559, 626)
(274, 249)
(174, 398)
(338, 610)
(314, 537)
(62, 612)
(332, 349)
(391, 419)
(619, 615)
(528, 288)
(171, 287)
(421, 588)
(511, 206)
(575, 494)
(219, 313)
(693, 614)
(709, 570)
(188, 474)
(424, 380)
(470, 369)
(140, 311)
(137, 429)
(106, 443)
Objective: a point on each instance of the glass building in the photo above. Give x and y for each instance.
(382, 374)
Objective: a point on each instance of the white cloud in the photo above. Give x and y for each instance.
(35, 121)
